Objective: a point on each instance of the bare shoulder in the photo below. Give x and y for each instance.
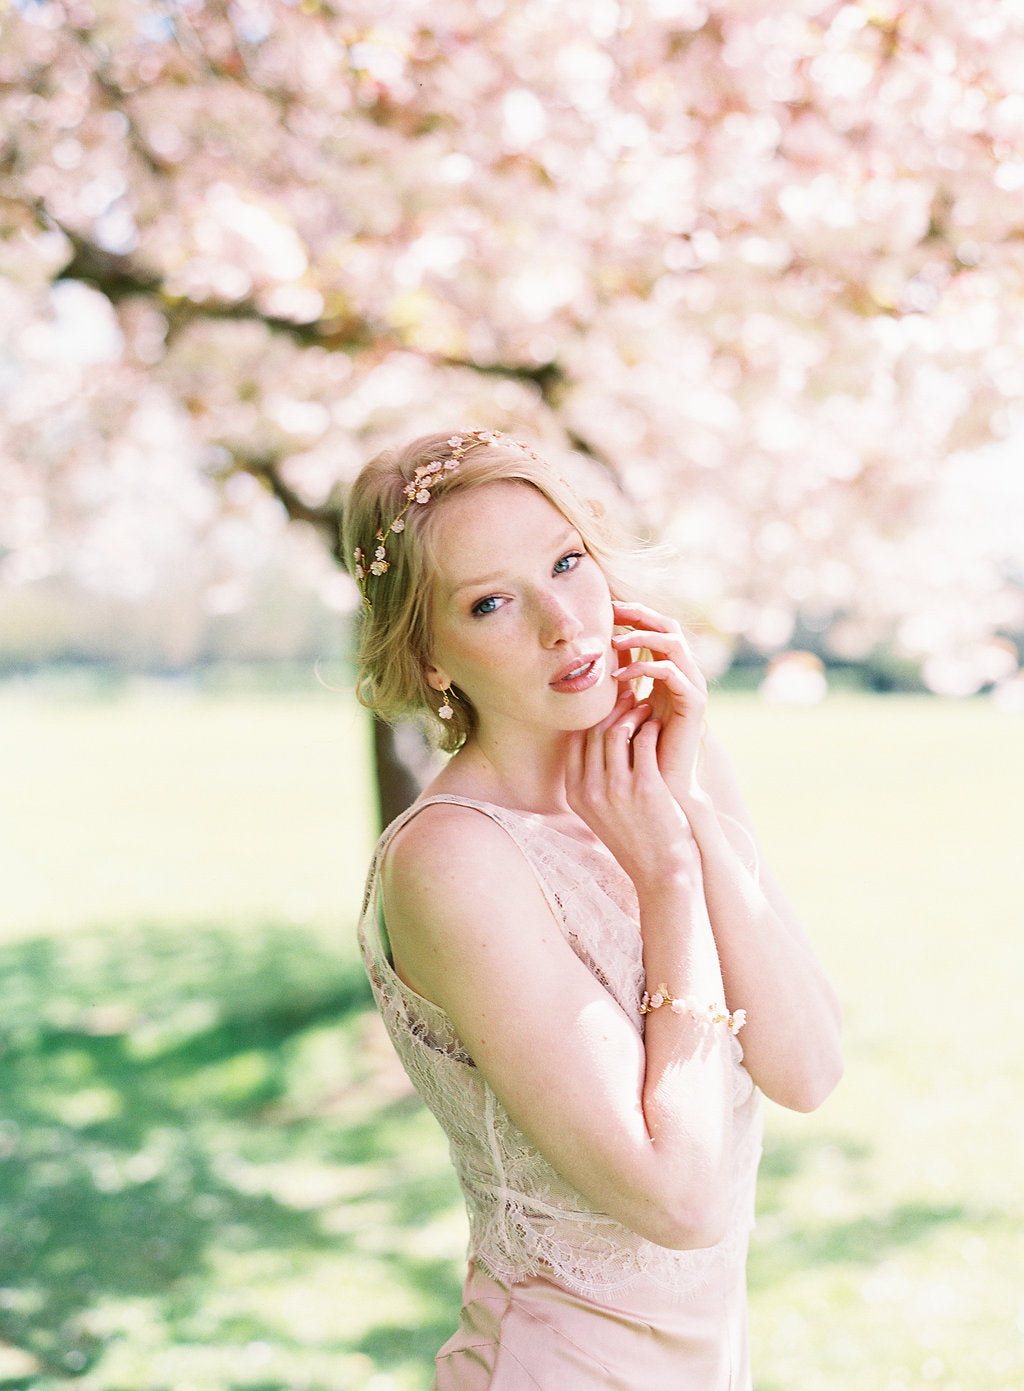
(449, 854)
(446, 833)
(457, 889)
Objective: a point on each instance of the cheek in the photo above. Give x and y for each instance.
(483, 664)
(602, 601)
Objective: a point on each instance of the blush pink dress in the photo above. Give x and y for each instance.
(559, 1296)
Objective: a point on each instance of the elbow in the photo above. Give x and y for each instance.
(694, 1232)
(699, 1221)
(809, 1088)
(698, 1237)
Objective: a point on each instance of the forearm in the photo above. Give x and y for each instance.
(791, 1040)
(791, 1037)
(688, 1084)
(672, 1163)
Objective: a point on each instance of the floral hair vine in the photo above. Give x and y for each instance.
(417, 490)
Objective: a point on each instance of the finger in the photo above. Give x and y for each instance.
(643, 615)
(621, 649)
(657, 638)
(658, 670)
(645, 749)
(656, 633)
(593, 770)
(625, 719)
(634, 617)
(626, 701)
(670, 644)
(618, 752)
(630, 721)
(685, 694)
(642, 712)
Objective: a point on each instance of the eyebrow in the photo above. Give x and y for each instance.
(563, 538)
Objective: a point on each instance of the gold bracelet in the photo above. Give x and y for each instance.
(712, 1014)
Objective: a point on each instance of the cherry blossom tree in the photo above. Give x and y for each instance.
(759, 264)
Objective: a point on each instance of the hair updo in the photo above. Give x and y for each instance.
(394, 641)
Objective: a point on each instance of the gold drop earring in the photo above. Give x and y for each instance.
(446, 711)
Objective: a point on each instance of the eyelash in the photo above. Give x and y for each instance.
(478, 609)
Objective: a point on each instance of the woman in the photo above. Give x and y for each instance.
(568, 929)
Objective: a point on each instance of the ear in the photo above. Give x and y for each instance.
(435, 677)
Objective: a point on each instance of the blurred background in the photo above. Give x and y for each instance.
(757, 270)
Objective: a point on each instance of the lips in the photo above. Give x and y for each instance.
(579, 674)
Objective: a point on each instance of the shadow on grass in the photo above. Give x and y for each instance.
(801, 1243)
(165, 1095)
(150, 1080)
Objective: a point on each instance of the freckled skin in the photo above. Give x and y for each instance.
(518, 600)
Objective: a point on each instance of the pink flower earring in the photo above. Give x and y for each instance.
(446, 711)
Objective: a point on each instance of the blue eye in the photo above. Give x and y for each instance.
(485, 606)
(568, 562)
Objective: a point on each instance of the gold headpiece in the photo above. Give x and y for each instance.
(417, 490)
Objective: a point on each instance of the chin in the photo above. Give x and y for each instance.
(601, 703)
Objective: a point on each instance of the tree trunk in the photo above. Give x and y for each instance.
(403, 761)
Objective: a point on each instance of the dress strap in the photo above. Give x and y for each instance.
(512, 822)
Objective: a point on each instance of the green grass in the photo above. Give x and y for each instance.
(888, 1253)
(212, 1174)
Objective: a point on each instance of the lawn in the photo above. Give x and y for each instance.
(213, 1177)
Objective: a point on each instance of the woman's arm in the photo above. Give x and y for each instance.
(644, 1134)
(791, 1040)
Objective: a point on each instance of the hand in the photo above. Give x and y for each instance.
(679, 694)
(614, 784)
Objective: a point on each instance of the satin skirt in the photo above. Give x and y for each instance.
(536, 1336)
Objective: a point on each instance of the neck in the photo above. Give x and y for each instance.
(532, 780)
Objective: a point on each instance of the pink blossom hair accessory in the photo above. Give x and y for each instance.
(417, 490)
(709, 1014)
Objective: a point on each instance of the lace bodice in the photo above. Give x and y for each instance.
(524, 1217)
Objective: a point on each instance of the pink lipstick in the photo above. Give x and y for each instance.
(579, 675)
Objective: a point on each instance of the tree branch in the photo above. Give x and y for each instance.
(326, 518)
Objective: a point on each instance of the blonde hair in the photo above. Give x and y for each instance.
(394, 640)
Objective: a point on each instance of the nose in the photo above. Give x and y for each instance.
(558, 622)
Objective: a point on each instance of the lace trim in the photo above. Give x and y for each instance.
(524, 1218)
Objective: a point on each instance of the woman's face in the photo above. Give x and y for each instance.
(521, 614)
